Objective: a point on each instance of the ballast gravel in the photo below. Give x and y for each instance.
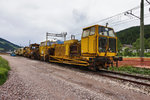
(36, 80)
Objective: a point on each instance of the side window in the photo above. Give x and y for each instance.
(48, 43)
(92, 32)
(111, 33)
(89, 31)
(86, 33)
(42, 44)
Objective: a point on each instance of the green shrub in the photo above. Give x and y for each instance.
(4, 63)
(3, 75)
(131, 70)
(4, 68)
(147, 54)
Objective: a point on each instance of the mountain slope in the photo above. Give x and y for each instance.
(128, 36)
(6, 45)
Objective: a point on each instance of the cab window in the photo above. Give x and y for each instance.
(42, 44)
(86, 32)
(48, 43)
(111, 33)
(92, 31)
(106, 31)
(89, 31)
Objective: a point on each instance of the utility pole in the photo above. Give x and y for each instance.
(142, 30)
(141, 27)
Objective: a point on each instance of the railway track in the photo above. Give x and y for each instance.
(126, 77)
(136, 79)
(140, 80)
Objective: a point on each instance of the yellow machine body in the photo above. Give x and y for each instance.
(89, 43)
(99, 45)
(69, 52)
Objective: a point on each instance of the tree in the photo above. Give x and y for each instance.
(127, 52)
(147, 44)
(136, 44)
(119, 45)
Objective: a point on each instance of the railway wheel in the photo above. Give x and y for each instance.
(93, 66)
(101, 66)
(46, 58)
(42, 58)
(32, 56)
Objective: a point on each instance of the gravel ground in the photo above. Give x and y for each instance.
(36, 80)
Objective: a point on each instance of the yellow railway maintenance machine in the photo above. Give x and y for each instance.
(32, 51)
(25, 51)
(97, 49)
(44, 49)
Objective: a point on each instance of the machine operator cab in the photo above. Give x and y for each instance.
(98, 41)
(34, 46)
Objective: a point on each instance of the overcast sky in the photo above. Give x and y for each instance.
(24, 20)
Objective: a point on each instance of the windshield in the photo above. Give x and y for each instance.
(34, 47)
(102, 44)
(112, 45)
(106, 31)
(103, 41)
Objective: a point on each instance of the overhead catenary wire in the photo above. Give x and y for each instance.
(118, 18)
(122, 22)
(126, 20)
(117, 15)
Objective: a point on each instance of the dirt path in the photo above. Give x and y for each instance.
(32, 80)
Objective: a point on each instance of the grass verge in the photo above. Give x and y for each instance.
(4, 68)
(131, 70)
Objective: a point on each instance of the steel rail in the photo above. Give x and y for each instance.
(125, 74)
(124, 79)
